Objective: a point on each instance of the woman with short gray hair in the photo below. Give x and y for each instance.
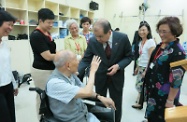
(74, 41)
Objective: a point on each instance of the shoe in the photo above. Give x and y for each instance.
(137, 107)
(179, 104)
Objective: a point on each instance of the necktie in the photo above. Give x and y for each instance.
(108, 50)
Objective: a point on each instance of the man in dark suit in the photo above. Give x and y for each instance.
(110, 74)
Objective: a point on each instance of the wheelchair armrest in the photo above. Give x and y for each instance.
(96, 107)
(93, 101)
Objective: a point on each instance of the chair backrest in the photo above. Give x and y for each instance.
(44, 106)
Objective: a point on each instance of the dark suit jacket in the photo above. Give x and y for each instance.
(121, 55)
(136, 42)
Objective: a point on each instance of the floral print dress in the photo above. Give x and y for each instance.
(160, 77)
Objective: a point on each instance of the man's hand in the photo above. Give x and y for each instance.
(108, 102)
(113, 69)
(15, 92)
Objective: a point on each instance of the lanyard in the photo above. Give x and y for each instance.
(158, 53)
(77, 47)
(50, 38)
(141, 47)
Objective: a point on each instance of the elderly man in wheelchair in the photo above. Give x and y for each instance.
(65, 91)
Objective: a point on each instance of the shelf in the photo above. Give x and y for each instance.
(35, 5)
(63, 17)
(62, 21)
(19, 14)
(20, 25)
(32, 11)
(91, 15)
(53, 6)
(16, 9)
(32, 25)
(32, 17)
(62, 27)
(31, 28)
(83, 13)
(64, 10)
(19, 30)
(74, 13)
(18, 4)
(27, 11)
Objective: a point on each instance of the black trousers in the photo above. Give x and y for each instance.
(7, 107)
(115, 95)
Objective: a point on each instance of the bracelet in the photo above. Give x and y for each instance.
(169, 101)
(97, 96)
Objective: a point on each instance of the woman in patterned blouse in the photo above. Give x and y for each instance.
(162, 81)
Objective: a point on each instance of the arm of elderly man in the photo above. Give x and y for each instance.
(66, 90)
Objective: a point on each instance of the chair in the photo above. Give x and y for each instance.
(97, 108)
(44, 110)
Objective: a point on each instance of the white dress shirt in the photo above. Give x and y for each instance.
(6, 76)
(109, 42)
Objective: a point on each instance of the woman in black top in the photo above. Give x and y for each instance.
(44, 49)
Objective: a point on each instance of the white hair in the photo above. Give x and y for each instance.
(70, 22)
(63, 57)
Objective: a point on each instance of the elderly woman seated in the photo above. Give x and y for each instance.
(75, 42)
(65, 90)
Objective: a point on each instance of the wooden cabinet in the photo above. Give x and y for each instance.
(26, 13)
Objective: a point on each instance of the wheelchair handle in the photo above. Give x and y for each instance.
(32, 89)
(38, 90)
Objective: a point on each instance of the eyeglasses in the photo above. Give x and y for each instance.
(163, 32)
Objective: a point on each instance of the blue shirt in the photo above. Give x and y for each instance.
(87, 36)
(61, 91)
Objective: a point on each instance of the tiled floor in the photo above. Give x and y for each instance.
(25, 101)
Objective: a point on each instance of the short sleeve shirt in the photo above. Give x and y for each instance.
(40, 43)
(78, 45)
(61, 92)
(144, 56)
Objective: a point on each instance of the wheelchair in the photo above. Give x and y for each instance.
(94, 106)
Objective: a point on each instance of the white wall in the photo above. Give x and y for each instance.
(84, 4)
(131, 18)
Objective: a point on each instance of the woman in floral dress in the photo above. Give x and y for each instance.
(162, 81)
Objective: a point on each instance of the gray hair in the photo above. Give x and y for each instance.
(70, 22)
(62, 57)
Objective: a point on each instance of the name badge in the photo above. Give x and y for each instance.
(79, 57)
(151, 65)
